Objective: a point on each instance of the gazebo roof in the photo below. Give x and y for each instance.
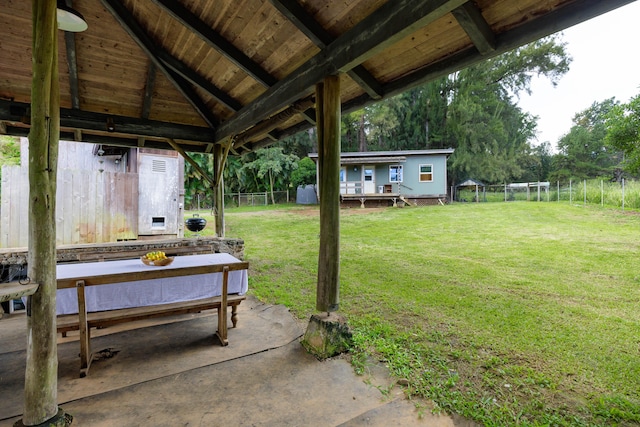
(202, 72)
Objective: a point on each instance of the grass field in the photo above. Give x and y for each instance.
(509, 314)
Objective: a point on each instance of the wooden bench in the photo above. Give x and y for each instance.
(85, 320)
(14, 290)
(100, 319)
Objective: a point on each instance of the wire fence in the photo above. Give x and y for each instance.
(256, 199)
(623, 195)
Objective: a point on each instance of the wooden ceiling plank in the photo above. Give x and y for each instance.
(131, 26)
(385, 26)
(148, 90)
(473, 23)
(295, 13)
(216, 41)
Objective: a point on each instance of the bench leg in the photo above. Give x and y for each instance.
(222, 310)
(85, 333)
(234, 315)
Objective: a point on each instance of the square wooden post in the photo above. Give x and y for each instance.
(328, 122)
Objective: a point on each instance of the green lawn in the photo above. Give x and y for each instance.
(509, 314)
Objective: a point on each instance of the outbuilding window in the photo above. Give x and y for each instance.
(426, 173)
(395, 173)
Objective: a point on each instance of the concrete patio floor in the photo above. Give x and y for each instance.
(172, 372)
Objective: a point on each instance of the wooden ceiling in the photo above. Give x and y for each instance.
(194, 73)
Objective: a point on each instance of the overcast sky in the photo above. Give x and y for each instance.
(606, 63)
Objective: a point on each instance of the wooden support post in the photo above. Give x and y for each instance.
(222, 311)
(328, 107)
(86, 355)
(219, 160)
(41, 373)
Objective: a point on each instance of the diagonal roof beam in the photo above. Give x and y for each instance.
(473, 23)
(384, 27)
(72, 64)
(295, 13)
(579, 11)
(216, 41)
(148, 91)
(572, 14)
(126, 20)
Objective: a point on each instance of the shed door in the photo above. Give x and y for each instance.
(369, 178)
(158, 195)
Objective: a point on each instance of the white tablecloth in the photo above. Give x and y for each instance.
(148, 292)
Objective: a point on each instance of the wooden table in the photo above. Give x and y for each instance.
(83, 275)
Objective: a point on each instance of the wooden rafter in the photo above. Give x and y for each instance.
(127, 21)
(572, 14)
(216, 41)
(473, 23)
(72, 64)
(388, 24)
(295, 13)
(148, 90)
(192, 162)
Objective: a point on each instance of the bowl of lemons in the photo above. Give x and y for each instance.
(156, 258)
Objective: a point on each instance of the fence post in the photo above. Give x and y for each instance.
(505, 191)
(622, 193)
(602, 193)
(538, 190)
(558, 190)
(570, 193)
(585, 192)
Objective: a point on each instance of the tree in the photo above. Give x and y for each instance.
(473, 111)
(623, 132)
(274, 165)
(305, 173)
(194, 184)
(583, 151)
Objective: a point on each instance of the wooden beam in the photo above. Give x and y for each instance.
(89, 121)
(192, 162)
(295, 13)
(216, 41)
(181, 69)
(328, 288)
(388, 24)
(131, 26)
(273, 122)
(72, 64)
(473, 23)
(148, 90)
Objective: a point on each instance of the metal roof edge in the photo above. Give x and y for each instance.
(401, 153)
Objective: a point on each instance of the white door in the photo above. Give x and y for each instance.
(369, 179)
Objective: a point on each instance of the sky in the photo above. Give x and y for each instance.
(606, 63)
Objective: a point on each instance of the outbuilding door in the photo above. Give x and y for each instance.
(369, 179)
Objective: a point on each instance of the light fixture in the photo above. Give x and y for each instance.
(70, 19)
(111, 127)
